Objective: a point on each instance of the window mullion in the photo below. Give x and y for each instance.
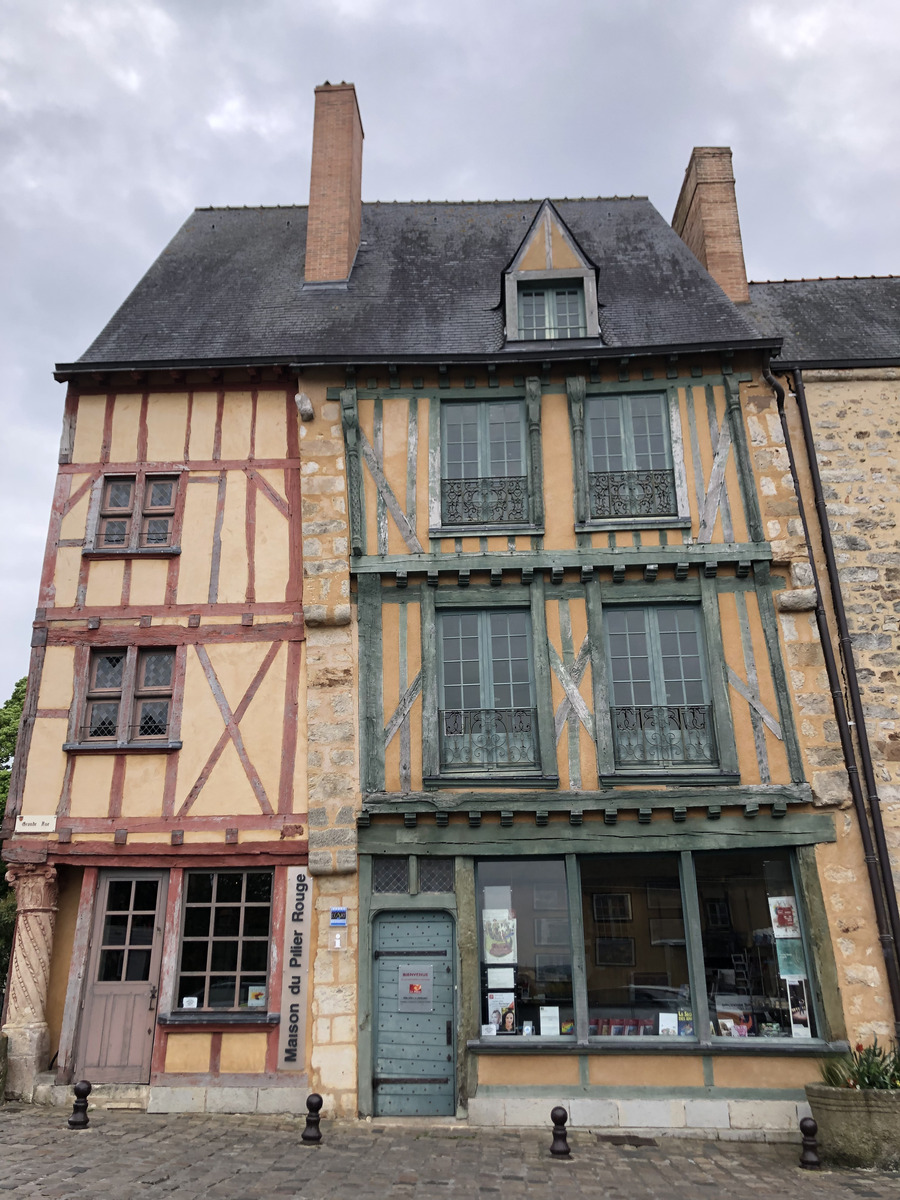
(137, 520)
(626, 424)
(576, 933)
(694, 943)
(484, 440)
(657, 678)
(126, 705)
(486, 662)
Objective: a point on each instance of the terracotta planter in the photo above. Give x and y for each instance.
(857, 1128)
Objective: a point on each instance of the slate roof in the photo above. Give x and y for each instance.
(831, 321)
(426, 285)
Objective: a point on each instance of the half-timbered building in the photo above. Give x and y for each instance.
(538, 749)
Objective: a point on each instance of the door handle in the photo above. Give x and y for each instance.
(153, 992)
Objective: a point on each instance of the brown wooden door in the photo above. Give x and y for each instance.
(115, 1039)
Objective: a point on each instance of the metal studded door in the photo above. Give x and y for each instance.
(415, 1018)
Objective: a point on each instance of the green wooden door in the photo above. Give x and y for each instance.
(415, 1018)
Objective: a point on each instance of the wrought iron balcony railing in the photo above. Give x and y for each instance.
(488, 737)
(632, 494)
(491, 500)
(664, 735)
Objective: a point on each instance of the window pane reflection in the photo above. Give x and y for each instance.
(635, 952)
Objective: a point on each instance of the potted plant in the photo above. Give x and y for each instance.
(857, 1107)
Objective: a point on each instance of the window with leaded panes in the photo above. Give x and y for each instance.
(129, 696)
(224, 960)
(660, 708)
(488, 715)
(484, 477)
(137, 512)
(629, 450)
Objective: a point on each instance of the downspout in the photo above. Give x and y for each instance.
(887, 930)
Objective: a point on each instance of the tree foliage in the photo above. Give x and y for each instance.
(10, 715)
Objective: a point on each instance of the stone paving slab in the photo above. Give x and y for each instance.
(128, 1155)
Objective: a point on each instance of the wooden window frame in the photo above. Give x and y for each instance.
(137, 514)
(725, 771)
(530, 399)
(482, 599)
(566, 277)
(580, 399)
(209, 1012)
(128, 696)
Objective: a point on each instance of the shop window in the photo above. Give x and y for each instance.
(484, 477)
(635, 947)
(129, 696)
(224, 961)
(757, 978)
(136, 512)
(487, 716)
(630, 470)
(526, 950)
(660, 710)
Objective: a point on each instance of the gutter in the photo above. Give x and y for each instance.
(876, 855)
(549, 351)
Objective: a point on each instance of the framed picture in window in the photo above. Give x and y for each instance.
(551, 931)
(547, 899)
(611, 906)
(552, 968)
(614, 952)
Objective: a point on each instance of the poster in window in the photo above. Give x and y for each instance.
(497, 1004)
(785, 921)
(499, 930)
(791, 959)
(798, 1004)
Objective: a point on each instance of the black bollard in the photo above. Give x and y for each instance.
(79, 1117)
(560, 1144)
(809, 1158)
(312, 1134)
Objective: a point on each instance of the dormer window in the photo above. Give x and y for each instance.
(550, 287)
(551, 311)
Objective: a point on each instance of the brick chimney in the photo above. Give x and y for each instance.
(335, 185)
(706, 219)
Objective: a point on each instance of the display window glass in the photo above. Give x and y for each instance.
(635, 947)
(526, 949)
(754, 956)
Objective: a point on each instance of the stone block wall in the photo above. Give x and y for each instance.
(332, 751)
(862, 510)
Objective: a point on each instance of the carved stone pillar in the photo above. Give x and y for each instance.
(26, 1024)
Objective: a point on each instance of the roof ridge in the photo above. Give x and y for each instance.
(823, 279)
(381, 203)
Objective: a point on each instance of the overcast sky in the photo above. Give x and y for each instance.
(117, 117)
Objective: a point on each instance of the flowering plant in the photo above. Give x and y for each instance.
(864, 1067)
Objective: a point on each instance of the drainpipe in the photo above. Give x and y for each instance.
(880, 883)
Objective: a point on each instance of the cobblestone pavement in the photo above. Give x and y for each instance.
(128, 1155)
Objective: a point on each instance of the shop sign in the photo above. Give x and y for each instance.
(415, 988)
(296, 959)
